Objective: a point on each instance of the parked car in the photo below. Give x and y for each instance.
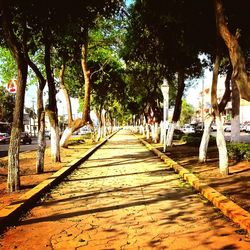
(47, 134)
(227, 127)
(199, 127)
(85, 130)
(25, 138)
(247, 128)
(187, 129)
(4, 137)
(214, 127)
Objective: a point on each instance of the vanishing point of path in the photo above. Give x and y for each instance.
(123, 197)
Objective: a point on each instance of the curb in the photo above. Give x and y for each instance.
(227, 207)
(9, 215)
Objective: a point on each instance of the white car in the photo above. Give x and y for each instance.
(188, 128)
(247, 128)
(85, 130)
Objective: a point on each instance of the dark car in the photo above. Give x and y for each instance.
(25, 138)
(4, 137)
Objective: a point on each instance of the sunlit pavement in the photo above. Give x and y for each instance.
(123, 197)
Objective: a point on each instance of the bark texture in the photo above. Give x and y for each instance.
(52, 106)
(235, 123)
(177, 107)
(78, 123)
(16, 48)
(237, 59)
(220, 139)
(41, 117)
(205, 138)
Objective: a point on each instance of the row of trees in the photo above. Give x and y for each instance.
(116, 59)
(167, 39)
(44, 36)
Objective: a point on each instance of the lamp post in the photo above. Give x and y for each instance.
(165, 93)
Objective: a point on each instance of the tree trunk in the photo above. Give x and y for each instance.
(221, 144)
(78, 123)
(52, 106)
(220, 138)
(209, 119)
(170, 135)
(147, 131)
(13, 181)
(41, 128)
(177, 107)
(41, 144)
(66, 94)
(238, 62)
(41, 117)
(205, 138)
(235, 123)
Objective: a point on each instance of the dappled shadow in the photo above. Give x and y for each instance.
(132, 197)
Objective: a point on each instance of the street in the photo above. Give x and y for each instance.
(244, 137)
(23, 147)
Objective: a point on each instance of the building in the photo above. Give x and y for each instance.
(205, 107)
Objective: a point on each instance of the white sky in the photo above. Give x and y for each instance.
(193, 93)
(30, 96)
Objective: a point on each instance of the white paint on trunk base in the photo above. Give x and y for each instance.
(66, 134)
(147, 131)
(162, 132)
(221, 144)
(205, 138)
(170, 134)
(55, 147)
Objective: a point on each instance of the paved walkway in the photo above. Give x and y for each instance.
(123, 197)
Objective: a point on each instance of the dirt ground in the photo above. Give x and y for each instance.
(236, 185)
(29, 178)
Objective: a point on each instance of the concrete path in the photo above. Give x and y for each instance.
(123, 197)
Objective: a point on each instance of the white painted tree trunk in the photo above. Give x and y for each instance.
(221, 144)
(235, 129)
(141, 129)
(66, 134)
(152, 132)
(55, 144)
(156, 132)
(99, 133)
(170, 134)
(205, 139)
(162, 132)
(147, 131)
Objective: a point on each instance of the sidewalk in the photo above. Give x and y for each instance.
(123, 197)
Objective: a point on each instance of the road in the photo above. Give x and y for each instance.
(123, 197)
(23, 147)
(244, 137)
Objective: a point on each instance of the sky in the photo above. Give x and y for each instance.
(193, 93)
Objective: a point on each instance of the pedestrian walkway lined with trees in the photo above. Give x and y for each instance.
(123, 196)
(113, 57)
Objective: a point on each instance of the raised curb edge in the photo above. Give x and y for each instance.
(227, 207)
(10, 214)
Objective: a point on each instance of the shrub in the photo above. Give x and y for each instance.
(178, 134)
(195, 139)
(238, 151)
